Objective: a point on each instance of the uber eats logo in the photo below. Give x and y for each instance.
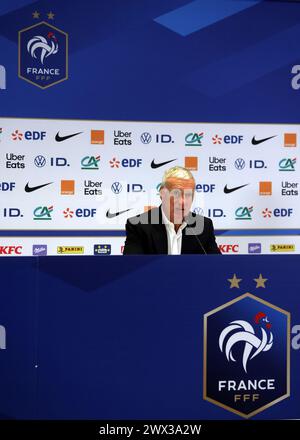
(122, 137)
(246, 355)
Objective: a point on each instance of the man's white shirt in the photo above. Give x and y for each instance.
(174, 238)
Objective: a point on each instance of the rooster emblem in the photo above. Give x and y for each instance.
(241, 331)
(47, 46)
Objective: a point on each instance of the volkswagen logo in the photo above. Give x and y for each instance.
(198, 211)
(116, 187)
(40, 161)
(239, 164)
(146, 138)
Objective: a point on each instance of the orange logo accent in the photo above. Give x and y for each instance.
(97, 137)
(191, 163)
(265, 188)
(290, 139)
(67, 187)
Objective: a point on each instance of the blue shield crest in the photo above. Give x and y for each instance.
(246, 355)
(43, 55)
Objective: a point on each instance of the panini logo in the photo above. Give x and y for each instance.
(68, 250)
(282, 248)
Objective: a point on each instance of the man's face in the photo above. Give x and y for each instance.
(177, 198)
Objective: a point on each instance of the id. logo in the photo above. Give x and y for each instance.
(43, 55)
(246, 355)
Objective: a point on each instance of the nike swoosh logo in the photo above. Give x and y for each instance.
(112, 215)
(259, 141)
(228, 191)
(29, 189)
(157, 165)
(59, 138)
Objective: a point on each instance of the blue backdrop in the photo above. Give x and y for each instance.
(122, 338)
(172, 60)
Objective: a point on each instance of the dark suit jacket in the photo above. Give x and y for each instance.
(146, 238)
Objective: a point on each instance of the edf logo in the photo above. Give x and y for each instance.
(232, 139)
(80, 212)
(205, 188)
(131, 163)
(227, 139)
(246, 355)
(17, 135)
(125, 163)
(277, 212)
(7, 186)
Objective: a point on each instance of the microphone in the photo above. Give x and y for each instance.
(198, 239)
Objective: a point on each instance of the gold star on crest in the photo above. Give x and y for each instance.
(50, 15)
(36, 14)
(234, 281)
(260, 281)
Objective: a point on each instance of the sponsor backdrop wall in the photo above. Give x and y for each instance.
(98, 99)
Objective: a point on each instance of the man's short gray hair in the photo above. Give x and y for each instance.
(177, 172)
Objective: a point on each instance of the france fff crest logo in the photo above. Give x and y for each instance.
(43, 55)
(246, 355)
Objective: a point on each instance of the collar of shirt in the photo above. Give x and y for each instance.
(171, 225)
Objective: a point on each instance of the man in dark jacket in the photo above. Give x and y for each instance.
(172, 229)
